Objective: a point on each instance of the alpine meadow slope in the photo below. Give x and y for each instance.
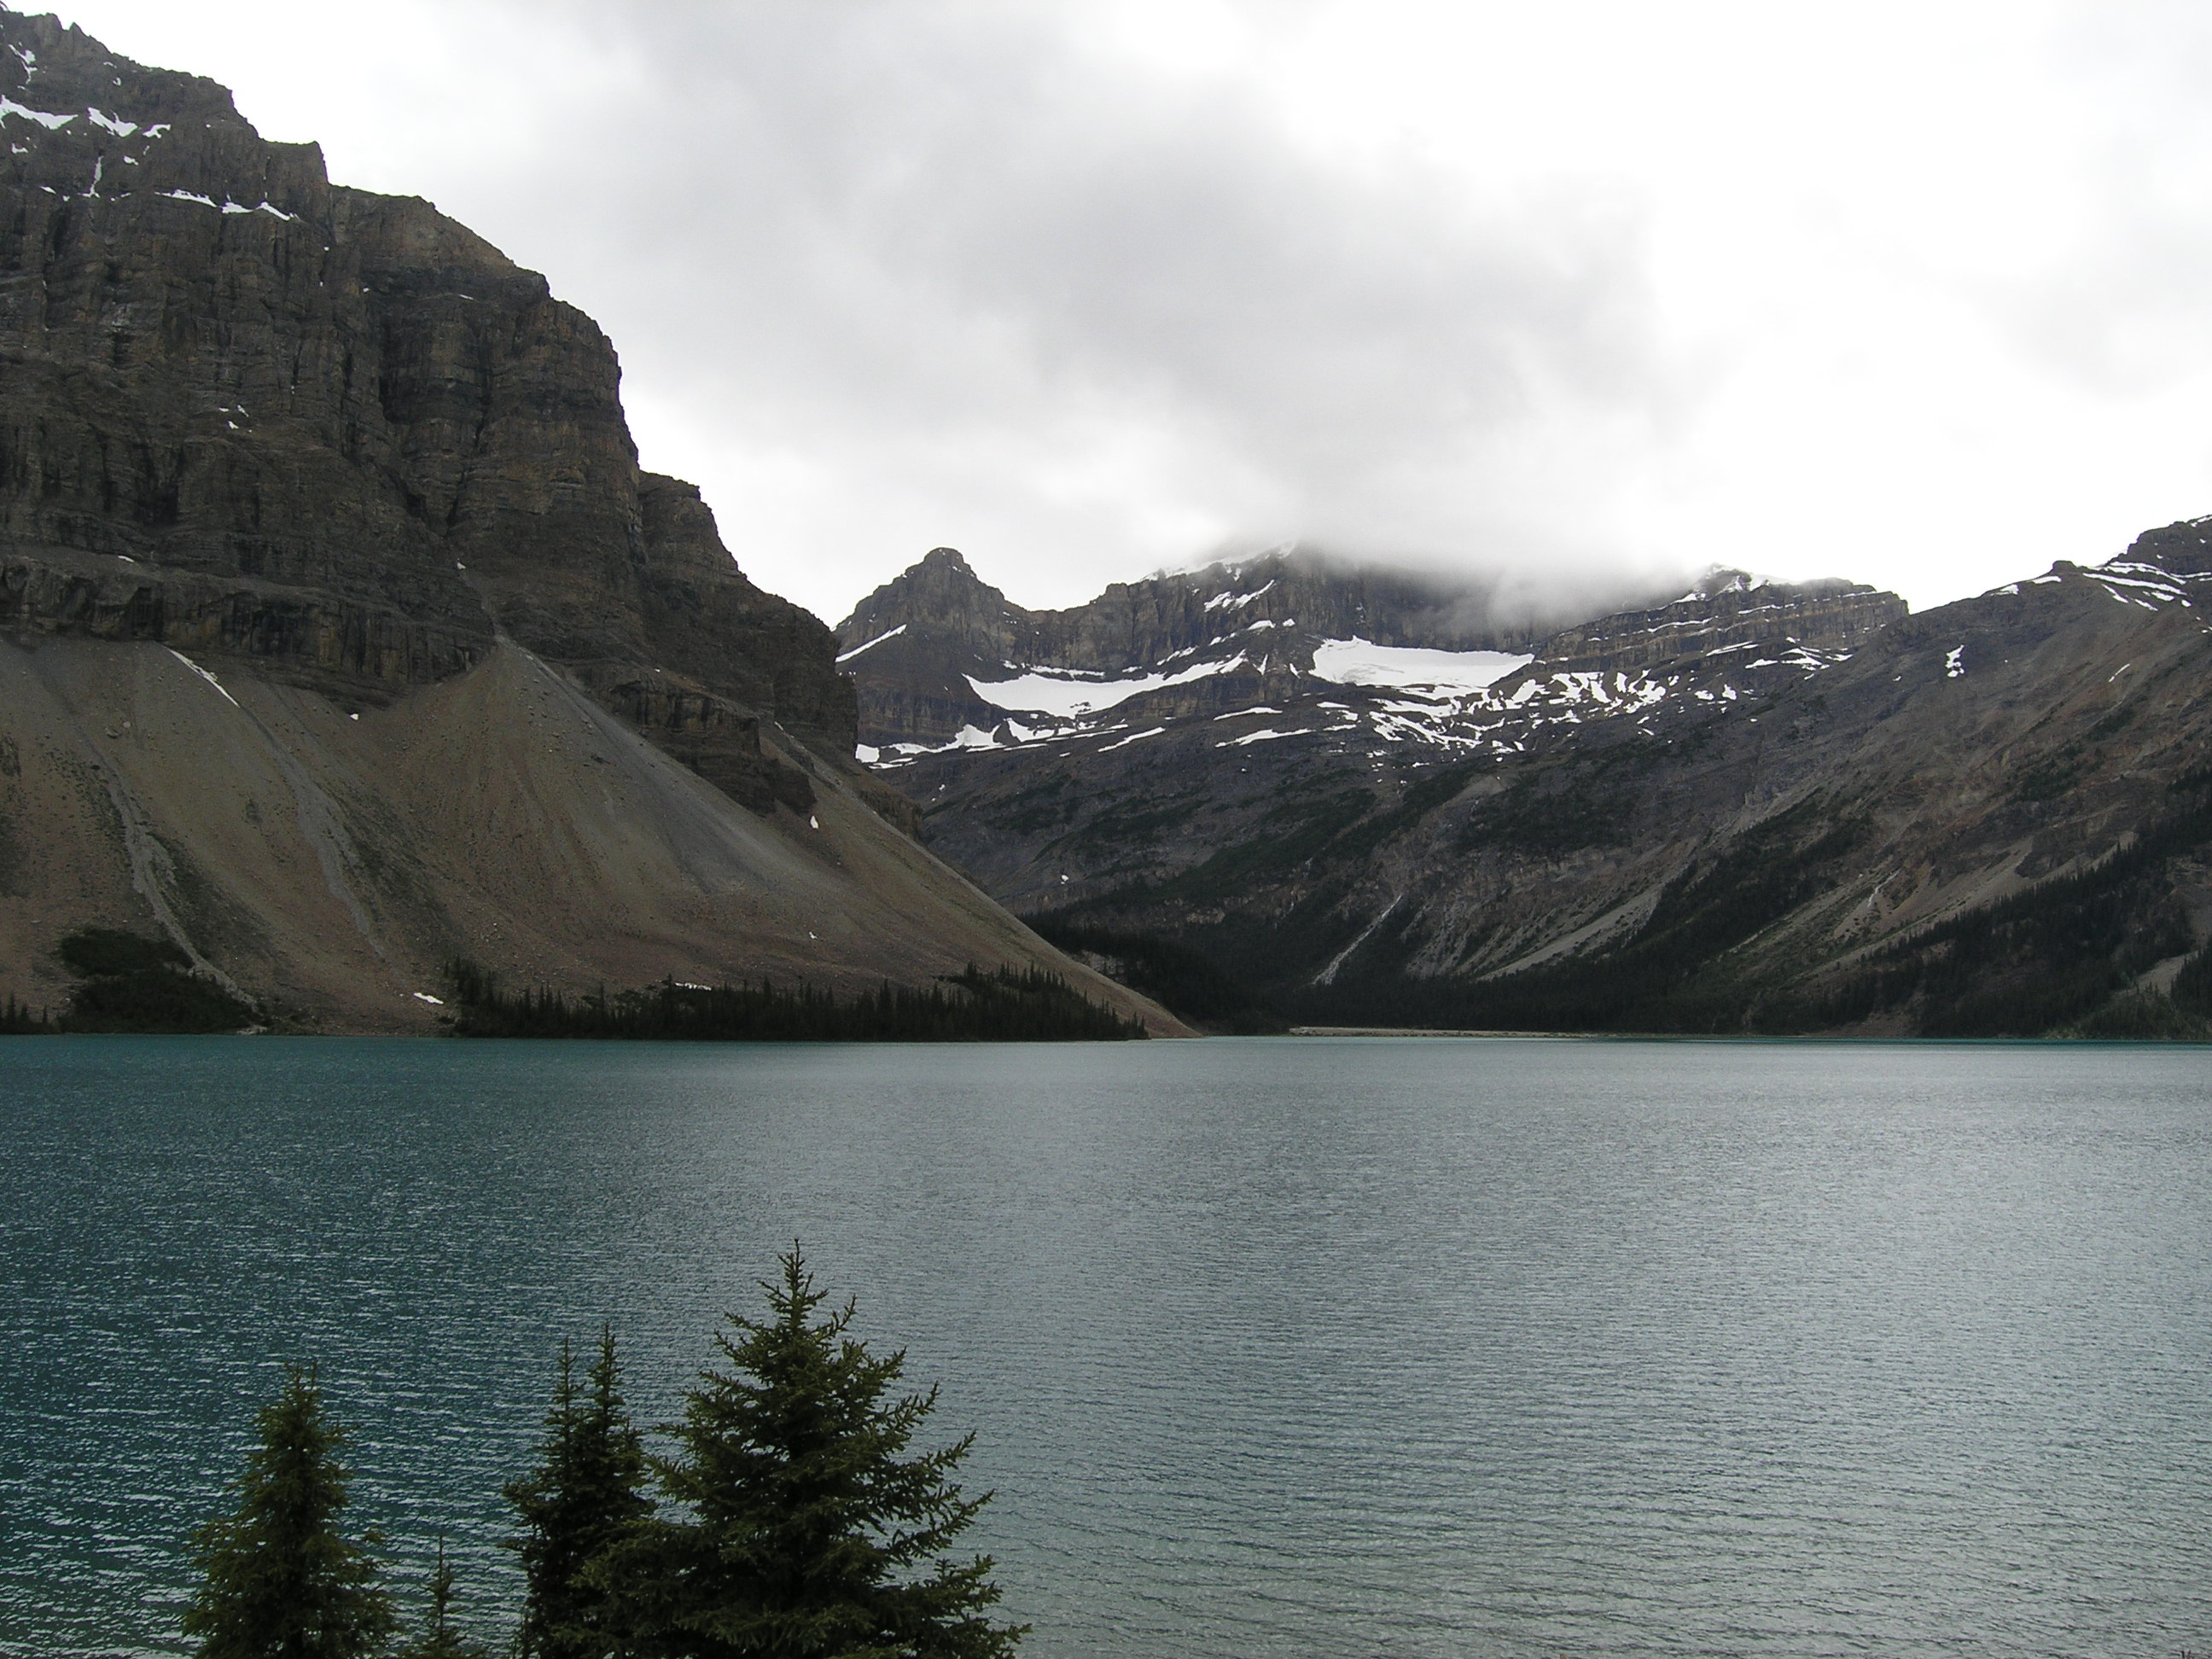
(343, 635)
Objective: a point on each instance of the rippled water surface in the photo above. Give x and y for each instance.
(1272, 1347)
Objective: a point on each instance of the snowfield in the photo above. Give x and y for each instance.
(1355, 662)
(1067, 695)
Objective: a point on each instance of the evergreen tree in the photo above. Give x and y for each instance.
(586, 1491)
(280, 1580)
(440, 1640)
(808, 1534)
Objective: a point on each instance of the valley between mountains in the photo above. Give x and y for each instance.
(343, 637)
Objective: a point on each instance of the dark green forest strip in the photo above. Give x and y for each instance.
(17, 1020)
(1006, 1006)
(130, 984)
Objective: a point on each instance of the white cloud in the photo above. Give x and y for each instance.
(1910, 293)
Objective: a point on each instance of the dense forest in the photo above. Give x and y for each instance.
(1006, 1006)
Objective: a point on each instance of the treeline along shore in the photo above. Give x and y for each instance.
(132, 984)
(1006, 1006)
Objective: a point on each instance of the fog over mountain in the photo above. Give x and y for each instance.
(1586, 294)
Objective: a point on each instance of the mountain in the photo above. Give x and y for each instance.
(1063, 757)
(933, 649)
(1756, 806)
(344, 633)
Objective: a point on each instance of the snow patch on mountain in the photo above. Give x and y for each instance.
(1236, 601)
(1044, 691)
(46, 119)
(1357, 662)
(1134, 737)
(888, 633)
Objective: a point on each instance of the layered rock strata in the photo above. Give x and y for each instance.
(341, 435)
(343, 632)
(1727, 611)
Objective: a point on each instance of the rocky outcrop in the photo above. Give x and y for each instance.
(1730, 609)
(344, 645)
(2183, 549)
(340, 434)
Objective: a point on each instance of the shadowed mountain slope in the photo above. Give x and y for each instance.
(1755, 807)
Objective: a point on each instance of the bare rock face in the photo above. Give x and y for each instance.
(1728, 608)
(341, 632)
(190, 389)
(915, 640)
(2183, 549)
(247, 412)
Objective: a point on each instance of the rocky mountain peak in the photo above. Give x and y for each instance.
(2183, 549)
(938, 592)
(85, 125)
(942, 660)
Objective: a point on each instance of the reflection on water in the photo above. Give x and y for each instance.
(1273, 1346)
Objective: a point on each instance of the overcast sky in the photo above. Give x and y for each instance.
(1915, 292)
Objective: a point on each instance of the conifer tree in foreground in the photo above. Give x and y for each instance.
(280, 1581)
(586, 1491)
(806, 1532)
(440, 1640)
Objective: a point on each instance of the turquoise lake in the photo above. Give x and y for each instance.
(1289, 1346)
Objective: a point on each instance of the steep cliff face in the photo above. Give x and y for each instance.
(319, 521)
(337, 433)
(1728, 610)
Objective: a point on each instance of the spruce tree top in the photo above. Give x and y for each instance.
(280, 1581)
(810, 1533)
(573, 1507)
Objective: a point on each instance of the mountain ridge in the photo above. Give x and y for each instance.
(1432, 846)
(936, 650)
